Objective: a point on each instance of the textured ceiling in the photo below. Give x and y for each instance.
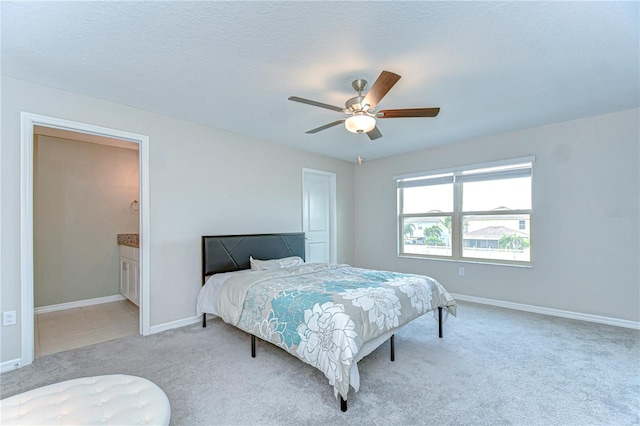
(491, 67)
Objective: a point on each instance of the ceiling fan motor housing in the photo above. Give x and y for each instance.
(354, 104)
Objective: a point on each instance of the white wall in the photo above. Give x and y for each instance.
(208, 181)
(202, 181)
(82, 197)
(585, 260)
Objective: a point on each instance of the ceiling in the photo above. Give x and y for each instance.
(492, 67)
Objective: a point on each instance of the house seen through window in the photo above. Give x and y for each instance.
(480, 213)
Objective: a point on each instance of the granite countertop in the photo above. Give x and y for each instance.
(131, 240)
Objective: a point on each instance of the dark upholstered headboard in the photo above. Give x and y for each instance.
(228, 253)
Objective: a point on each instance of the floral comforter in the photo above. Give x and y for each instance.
(323, 313)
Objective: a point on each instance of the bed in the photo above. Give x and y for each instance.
(328, 315)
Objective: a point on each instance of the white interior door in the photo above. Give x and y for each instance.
(318, 215)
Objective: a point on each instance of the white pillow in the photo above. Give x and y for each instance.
(264, 265)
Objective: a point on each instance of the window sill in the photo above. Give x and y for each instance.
(467, 261)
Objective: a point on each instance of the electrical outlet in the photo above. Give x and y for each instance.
(461, 271)
(8, 318)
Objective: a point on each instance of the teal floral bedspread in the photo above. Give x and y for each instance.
(324, 313)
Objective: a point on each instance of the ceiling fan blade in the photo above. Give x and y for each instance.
(408, 112)
(314, 103)
(374, 134)
(326, 126)
(382, 85)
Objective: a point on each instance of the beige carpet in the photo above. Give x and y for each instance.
(494, 366)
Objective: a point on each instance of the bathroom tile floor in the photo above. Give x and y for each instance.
(73, 328)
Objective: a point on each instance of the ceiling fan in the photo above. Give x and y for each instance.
(362, 109)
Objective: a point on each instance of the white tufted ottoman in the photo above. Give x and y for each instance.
(101, 400)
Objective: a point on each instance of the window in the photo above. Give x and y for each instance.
(480, 213)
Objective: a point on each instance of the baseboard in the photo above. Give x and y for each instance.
(78, 304)
(549, 311)
(175, 324)
(13, 364)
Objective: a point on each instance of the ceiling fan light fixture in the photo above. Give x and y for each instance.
(360, 123)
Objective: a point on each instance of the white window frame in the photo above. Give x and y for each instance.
(458, 214)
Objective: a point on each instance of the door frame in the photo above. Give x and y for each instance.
(27, 123)
(333, 234)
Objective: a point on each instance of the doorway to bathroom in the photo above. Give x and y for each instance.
(71, 281)
(86, 193)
